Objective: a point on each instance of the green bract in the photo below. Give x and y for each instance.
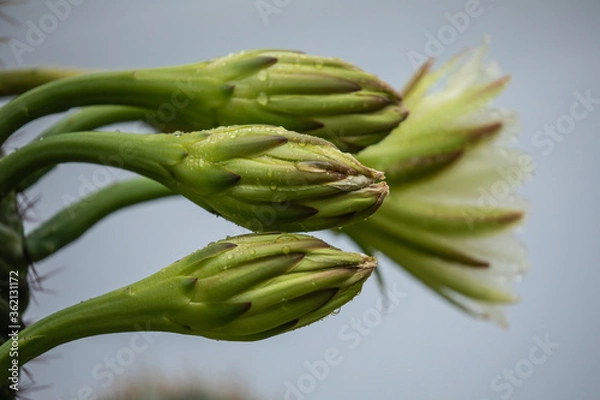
(243, 288)
(324, 97)
(261, 177)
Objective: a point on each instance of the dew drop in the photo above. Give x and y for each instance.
(270, 173)
(229, 256)
(336, 311)
(178, 134)
(252, 251)
(319, 65)
(273, 186)
(262, 99)
(302, 142)
(286, 237)
(286, 249)
(262, 75)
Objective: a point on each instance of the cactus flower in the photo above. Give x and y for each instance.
(451, 211)
(263, 178)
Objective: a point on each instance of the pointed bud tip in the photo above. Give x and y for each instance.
(369, 263)
(381, 189)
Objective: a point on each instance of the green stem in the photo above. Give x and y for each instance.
(86, 119)
(152, 89)
(123, 310)
(92, 117)
(17, 81)
(73, 221)
(139, 153)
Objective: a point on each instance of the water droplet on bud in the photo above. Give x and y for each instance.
(336, 311)
(286, 237)
(262, 99)
(273, 186)
(262, 75)
(286, 249)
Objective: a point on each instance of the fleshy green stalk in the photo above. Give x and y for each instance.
(260, 177)
(86, 119)
(73, 221)
(17, 81)
(245, 288)
(324, 97)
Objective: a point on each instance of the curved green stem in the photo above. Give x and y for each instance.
(151, 89)
(139, 153)
(127, 309)
(86, 119)
(73, 221)
(20, 80)
(92, 117)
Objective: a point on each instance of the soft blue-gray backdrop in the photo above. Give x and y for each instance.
(423, 348)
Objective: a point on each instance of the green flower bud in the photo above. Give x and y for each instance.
(243, 288)
(269, 283)
(266, 178)
(321, 96)
(263, 178)
(324, 97)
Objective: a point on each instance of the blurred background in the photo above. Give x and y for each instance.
(422, 348)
